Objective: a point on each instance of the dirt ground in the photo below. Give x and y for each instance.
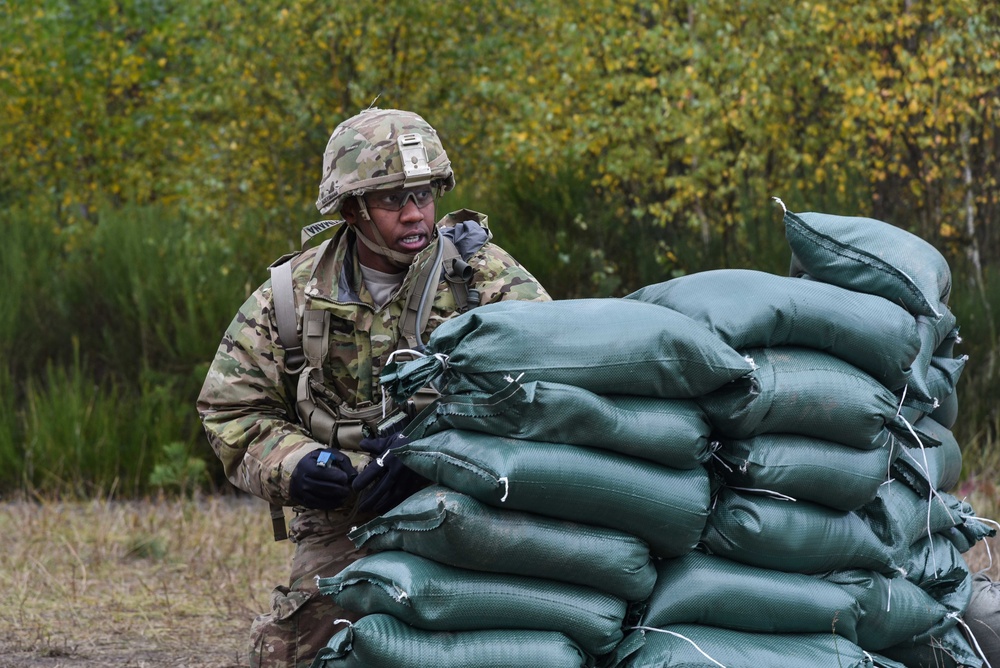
(149, 584)
(136, 585)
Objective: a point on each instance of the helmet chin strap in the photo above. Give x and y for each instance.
(379, 247)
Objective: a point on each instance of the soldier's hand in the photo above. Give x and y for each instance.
(386, 481)
(322, 480)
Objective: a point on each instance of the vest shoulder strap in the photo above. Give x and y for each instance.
(283, 297)
(457, 272)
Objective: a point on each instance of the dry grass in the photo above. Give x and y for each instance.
(140, 584)
(163, 583)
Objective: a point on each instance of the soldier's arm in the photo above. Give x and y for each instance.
(499, 277)
(245, 408)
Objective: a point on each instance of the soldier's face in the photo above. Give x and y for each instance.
(407, 230)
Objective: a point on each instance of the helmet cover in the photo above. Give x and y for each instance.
(366, 152)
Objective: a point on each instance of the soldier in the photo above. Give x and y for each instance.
(292, 404)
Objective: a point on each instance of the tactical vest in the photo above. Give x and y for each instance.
(325, 416)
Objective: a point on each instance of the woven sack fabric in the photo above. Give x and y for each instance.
(811, 393)
(932, 332)
(983, 616)
(754, 309)
(949, 650)
(692, 646)
(942, 378)
(665, 507)
(892, 611)
(903, 517)
(807, 469)
(947, 365)
(453, 528)
(935, 565)
(798, 537)
(712, 591)
(607, 346)
(868, 255)
(926, 469)
(382, 641)
(436, 597)
(672, 432)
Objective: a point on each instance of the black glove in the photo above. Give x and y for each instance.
(322, 480)
(384, 487)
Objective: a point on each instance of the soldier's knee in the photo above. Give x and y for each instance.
(298, 625)
(274, 635)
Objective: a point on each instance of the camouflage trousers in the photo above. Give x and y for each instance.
(301, 620)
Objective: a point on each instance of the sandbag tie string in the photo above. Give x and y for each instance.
(926, 471)
(678, 635)
(970, 636)
(722, 462)
(989, 552)
(778, 496)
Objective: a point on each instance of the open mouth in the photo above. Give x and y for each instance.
(413, 241)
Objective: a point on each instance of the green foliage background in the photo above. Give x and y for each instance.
(157, 155)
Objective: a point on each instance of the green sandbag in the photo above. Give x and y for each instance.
(665, 507)
(754, 309)
(937, 567)
(949, 650)
(807, 392)
(607, 346)
(436, 597)
(937, 468)
(382, 641)
(946, 368)
(710, 590)
(904, 517)
(807, 469)
(455, 529)
(672, 432)
(868, 255)
(892, 611)
(945, 372)
(965, 535)
(942, 378)
(691, 646)
(932, 332)
(983, 616)
(797, 537)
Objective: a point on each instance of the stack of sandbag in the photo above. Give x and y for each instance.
(568, 451)
(731, 468)
(833, 537)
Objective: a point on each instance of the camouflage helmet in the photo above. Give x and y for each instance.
(381, 149)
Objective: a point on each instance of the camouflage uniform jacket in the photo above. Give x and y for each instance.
(247, 401)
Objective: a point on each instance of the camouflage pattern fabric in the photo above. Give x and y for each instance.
(363, 155)
(301, 620)
(247, 400)
(247, 408)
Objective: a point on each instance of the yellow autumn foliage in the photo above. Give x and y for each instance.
(679, 115)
